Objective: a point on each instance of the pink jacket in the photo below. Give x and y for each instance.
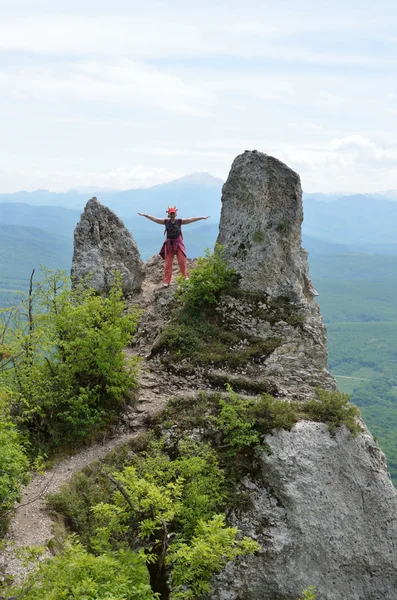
(172, 246)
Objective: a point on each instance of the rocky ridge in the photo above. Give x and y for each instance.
(322, 505)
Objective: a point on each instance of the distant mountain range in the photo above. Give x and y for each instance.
(334, 223)
(198, 192)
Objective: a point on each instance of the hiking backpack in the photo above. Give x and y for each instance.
(173, 230)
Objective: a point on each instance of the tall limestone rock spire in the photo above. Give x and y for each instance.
(260, 226)
(321, 504)
(102, 245)
(260, 231)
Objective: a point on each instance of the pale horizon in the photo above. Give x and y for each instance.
(95, 189)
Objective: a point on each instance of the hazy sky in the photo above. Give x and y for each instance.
(127, 94)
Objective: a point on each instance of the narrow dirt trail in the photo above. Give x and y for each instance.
(31, 524)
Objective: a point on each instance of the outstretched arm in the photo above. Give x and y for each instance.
(154, 219)
(193, 220)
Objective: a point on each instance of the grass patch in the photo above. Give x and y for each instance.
(202, 340)
(240, 383)
(199, 335)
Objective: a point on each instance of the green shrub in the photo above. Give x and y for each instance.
(209, 278)
(309, 594)
(236, 423)
(194, 563)
(75, 501)
(197, 465)
(333, 408)
(166, 500)
(76, 573)
(244, 421)
(271, 413)
(178, 490)
(13, 461)
(183, 339)
(69, 376)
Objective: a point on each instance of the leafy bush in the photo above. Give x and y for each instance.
(334, 409)
(13, 461)
(236, 423)
(194, 563)
(68, 375)
(272, 413)
(197, 465)
(209, 278)
(177, 491)
(166, 501)
(243, 421)
(309, 594)
(76, 573)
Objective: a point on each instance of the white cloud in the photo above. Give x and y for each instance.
(275, 34)
(122, 178)
(125, 82)
(129, 35)
(350, 163)
(361, 149)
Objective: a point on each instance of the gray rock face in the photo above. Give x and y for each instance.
(325, 513)
(260, 227)
(322, 507)
(102, 245)
(299, 362)
(260, 230)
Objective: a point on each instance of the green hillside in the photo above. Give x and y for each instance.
(23, 249)
(54, 219)
(353, 267)
(363, 358)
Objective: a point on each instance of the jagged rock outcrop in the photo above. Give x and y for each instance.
(324, 510)
(260, 227)
(102, 245)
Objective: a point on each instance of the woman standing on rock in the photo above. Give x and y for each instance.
(173, 245)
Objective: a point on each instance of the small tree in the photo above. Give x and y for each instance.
(208, 279)
(169, 507)
(64, 361)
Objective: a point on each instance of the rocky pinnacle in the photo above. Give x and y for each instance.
(260, 227)
(103, 245)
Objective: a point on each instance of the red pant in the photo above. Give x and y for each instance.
(169, 259)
